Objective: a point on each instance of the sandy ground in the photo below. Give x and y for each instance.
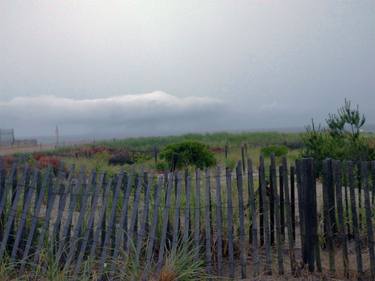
(22, 149)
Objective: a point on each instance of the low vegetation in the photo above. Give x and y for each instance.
(341, 138)
(188, 153)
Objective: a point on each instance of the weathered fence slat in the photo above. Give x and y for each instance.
(243, 251)
(261, 211)
(230, 222)
(340, 215)
(373, 182)
(26, 205)
(219, 226)
(288, 217)
(310, 215)
(272, 184)
(279, 244)
(34, 220)
(282, 203)
(62, 201)
(121, 227)
(253, 217)
(355, 220)
(14, 184)
(152, 233)
(328, 224)
(347, 200)
(77, 229)
(50, 201)
(134, 217)
(369, 226)
(12, 215)
(187, 208)
(142, 231)
(102, 213)
(197, 213)
(111, 222)
(208, 221)
(176, 219)
(73, 199)
(300, 202)
(267, 240)
(3, 195)
(359, 188)
(96, 189)
(165, 222)
(293, 200)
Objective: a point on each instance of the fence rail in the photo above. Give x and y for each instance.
(244, 223)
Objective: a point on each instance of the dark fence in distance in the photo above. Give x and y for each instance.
(277, 220)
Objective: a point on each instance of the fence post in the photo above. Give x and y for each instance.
(6, 241)
(281, 195)
(187, 207)
(176, 215)
(197, 214)
(226, 151)
(279, 244)
(26, 205)
(165, 221)
(355, 221)
(273, 184)
(261, 211)
(288, 216)
(370, 232)
(109, 227)
(359, 186)
(102, 213)
(122, 227)
(152, 233)
(219, 225)
(208, 221)
(77, 229)
(268, 267)
(132, 229)
(92, 209)
(51, 199)
(241, 213)
(143, 222)
(230, 222)
(328, 224)
(253, 231)
(293, 200)
(300, 201)
(340, 213)
(3, 195)
(310, 214)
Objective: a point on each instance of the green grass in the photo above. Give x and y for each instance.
(254, 141)
(212, 139)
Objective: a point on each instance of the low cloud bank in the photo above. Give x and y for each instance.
(143, 114)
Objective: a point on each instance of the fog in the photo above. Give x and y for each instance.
(131, 68)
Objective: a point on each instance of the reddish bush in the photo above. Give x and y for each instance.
(38, 155)
(217, 149)
(8, 161)
(45, 161)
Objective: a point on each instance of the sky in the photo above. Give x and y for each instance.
(132, 68)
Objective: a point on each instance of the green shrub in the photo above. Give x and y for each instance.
(341, 139)
(188, 153)
(162, 166)
(278, 150)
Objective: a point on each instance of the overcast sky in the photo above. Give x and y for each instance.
(161, 67)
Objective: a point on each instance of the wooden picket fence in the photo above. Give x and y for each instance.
(274, 219)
